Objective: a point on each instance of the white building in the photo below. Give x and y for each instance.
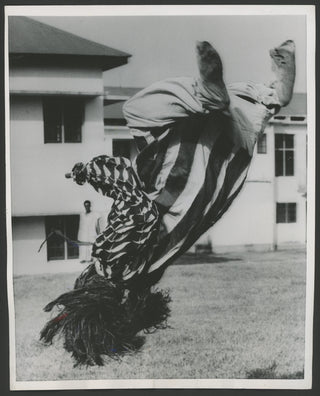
(270, 211)
(60, 114)
(56, 119)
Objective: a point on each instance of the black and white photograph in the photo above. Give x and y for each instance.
(160, 166)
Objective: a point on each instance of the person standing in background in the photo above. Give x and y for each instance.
(88, 230)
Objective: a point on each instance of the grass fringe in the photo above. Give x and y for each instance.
(270, 373)
(99, 318)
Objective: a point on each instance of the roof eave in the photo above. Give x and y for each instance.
(102, 62)
(116, 62)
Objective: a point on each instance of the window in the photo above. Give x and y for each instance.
(262, 144)
(63, 118)
(115, 121)
(286, 212)
(57, 247)
(297, 118)
(284, 154)
(123, 148)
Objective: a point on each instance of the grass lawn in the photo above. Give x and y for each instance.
(238, 317)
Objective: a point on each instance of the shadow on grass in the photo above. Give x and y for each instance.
(270, 373)
(200, 258)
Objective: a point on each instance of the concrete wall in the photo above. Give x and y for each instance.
(38, 185)
(53, 80)
(292, 188)
(249, 220)
(37, 169)
(28, 234)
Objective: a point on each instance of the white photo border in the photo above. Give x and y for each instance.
(144, 10)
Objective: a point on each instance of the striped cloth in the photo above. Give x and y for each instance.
(195, 151)
(194, 158)
(122, 250)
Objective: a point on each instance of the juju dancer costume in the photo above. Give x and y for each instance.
(196, 140)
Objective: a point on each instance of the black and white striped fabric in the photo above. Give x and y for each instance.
(193, 162)
(123, 248)
(193, 157)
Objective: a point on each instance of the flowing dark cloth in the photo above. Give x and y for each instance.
(194, 156)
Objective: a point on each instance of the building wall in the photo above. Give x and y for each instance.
(69, 79)
(248, 221)
(37, 169)
(262, 166)
(38, 184)
(293, 188)
(251, 220)
(29, 233)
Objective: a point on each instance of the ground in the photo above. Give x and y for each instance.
(233, 316)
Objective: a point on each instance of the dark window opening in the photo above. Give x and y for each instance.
(57, 247)
(262, 144)
(279, 117)
(284, 155)
(124, 148)
(63, 119)
(52, 118)
(286, 212)
(115, 121)
(297, 118)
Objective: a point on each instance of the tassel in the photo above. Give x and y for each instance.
(100, 318)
